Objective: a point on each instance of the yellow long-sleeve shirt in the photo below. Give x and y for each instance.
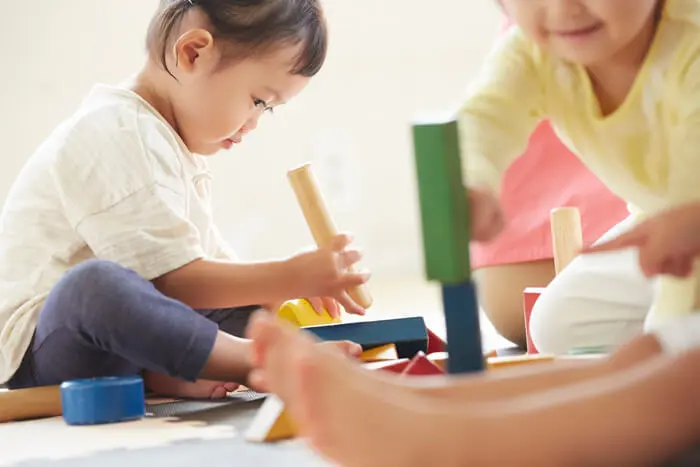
(647, 151)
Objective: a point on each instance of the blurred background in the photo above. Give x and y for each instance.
(389, 61)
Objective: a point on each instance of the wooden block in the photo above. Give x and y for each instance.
(502, 362)
(439, 359)
(380, 354)
(567, 238)
(409, 335)
(435, 343)
(31, 403)
(300, 313)
(530, 296)
(443, 201)
(319, 220)
(271, 423)
(463, 328)
(420, 365)
(395, 366)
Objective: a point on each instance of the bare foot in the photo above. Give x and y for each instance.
(203, 389)
(350, 415)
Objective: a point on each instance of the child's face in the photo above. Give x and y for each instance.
(215, 106)
(583, 31)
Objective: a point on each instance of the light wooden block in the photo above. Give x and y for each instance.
(271, 423)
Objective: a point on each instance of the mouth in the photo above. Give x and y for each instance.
(229, 142)
(578, 33)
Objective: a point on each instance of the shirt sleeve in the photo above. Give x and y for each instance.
(145, 232)
(223, 249)
(684, 133)
(122, 189)
(501, 110)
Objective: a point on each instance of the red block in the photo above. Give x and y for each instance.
(420, 365)
(530, 296)
(394, 366)
(435, 344)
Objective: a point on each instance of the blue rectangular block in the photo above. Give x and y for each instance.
(410, 335)
(464, 349)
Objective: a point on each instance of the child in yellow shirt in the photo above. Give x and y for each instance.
(620, 83)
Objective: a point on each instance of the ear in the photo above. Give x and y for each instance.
(192, 47)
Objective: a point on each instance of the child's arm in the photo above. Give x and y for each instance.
(495, 122)
(668, 243)
(500, 112)
(207, 284)
(640, 416)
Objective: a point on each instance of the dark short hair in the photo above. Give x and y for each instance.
(254, 26)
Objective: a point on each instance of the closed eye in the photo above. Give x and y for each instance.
(261, 104)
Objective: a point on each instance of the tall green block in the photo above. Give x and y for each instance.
(443, 201)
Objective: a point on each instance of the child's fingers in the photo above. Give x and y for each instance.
(349, 258)
(340, 241)
(316, 304)
(331, 306)
(230, 387)
(349, 348)
(349, 304)
(353, 279)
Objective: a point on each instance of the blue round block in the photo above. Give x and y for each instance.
(103, 400)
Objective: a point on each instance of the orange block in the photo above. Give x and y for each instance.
(500, 362)
(380, 354)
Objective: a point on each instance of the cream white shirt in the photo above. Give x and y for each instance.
(114, 181)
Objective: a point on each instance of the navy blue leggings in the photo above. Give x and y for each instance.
(104, 320)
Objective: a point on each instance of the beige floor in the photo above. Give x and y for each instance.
(414, 297)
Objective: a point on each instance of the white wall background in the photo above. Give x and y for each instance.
(389, 59)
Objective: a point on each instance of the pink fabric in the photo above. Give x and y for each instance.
(546, 176)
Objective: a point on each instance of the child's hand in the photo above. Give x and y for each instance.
(324, 273)
(327, 303)
(486, 215)
(668, 243)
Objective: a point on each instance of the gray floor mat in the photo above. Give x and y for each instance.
(183, 408)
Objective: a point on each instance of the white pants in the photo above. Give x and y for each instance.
(598, 300)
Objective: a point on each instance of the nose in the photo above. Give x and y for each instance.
(563, 10)
(252, 122)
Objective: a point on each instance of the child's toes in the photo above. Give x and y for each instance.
(230, 387)
(219, 392)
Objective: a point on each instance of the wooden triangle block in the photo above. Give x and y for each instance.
(271, 423)
(435, 343)
(420, 365)
(394, 366)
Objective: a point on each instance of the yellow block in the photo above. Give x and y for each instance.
(380, 354)
(271, 423)
(301, 313)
